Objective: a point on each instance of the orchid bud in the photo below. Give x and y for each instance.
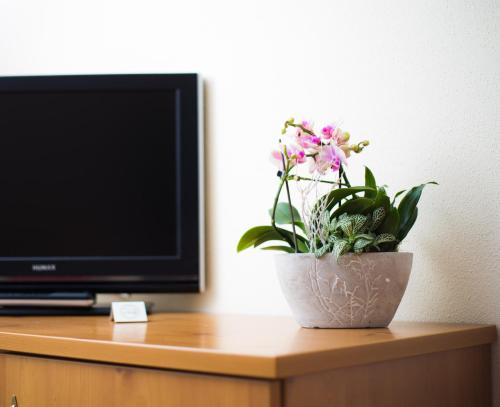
(357, 148)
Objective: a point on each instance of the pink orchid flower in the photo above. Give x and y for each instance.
(306, 140)
(276, 159)
(328, 131)
(329, 157)
(295, 154)
(308, 124)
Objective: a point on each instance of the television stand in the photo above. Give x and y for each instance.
(49, 303)
(200, 360)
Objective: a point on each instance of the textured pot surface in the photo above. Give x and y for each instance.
(360, 291)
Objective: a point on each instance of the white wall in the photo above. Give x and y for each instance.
(420, 79)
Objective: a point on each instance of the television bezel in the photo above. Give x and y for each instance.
(183, 274)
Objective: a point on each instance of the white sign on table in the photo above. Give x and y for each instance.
(129, 311)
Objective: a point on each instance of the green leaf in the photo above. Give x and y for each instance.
(301, 240)
(369, 236)
(347, 227)
(325, 219)
(390, 223)
(361, 244)
(322, 250)
(282, 216)
(301, 226)
(261, 234)
(397, 195)
(279, 248)
(252, 235)
(381, 200)
(407, 208)
(353, 206)
(341, 247)
(268, 236)
(333, 238)
(404, 229)
(333, 225)
(377, 217)
(384, 238)
(335, 196)
(370, 183)
(359, 223)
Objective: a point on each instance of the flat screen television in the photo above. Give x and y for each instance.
(101, 183)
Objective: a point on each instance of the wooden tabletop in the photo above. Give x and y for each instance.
(242, 345)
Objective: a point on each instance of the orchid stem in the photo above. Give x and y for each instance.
(285, 176)
(300, 178)
(273, 216)
(291, 215)
(302, 128)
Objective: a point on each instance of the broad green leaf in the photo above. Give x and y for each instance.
(303, 246)
(252, 235)
(407, 208)
(260, 234)
(397, 195)
(279, 248)
(335, 196)
(390, 223)
(352, 206)
(301, 226)
(404, 229)
(370, 183)
(268, 236)
(381, 200)
(301, 240)
(282, 216)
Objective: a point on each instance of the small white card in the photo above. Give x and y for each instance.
(129, 311)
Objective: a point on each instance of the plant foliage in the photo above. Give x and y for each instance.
(357, 224)
(347, 218)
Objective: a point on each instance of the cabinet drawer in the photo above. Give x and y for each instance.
(40, 382)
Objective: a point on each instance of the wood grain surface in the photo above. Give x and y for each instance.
(456, 378)
(252, 346)
(39, 382)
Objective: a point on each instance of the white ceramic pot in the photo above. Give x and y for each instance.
(360, 291)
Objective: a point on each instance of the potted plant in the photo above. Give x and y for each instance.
(340, 266)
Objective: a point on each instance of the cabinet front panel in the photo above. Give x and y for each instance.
(40, 382)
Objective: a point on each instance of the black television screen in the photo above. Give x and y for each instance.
(100, 185)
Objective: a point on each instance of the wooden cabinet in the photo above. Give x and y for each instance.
(41, 382)
(195, 360)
